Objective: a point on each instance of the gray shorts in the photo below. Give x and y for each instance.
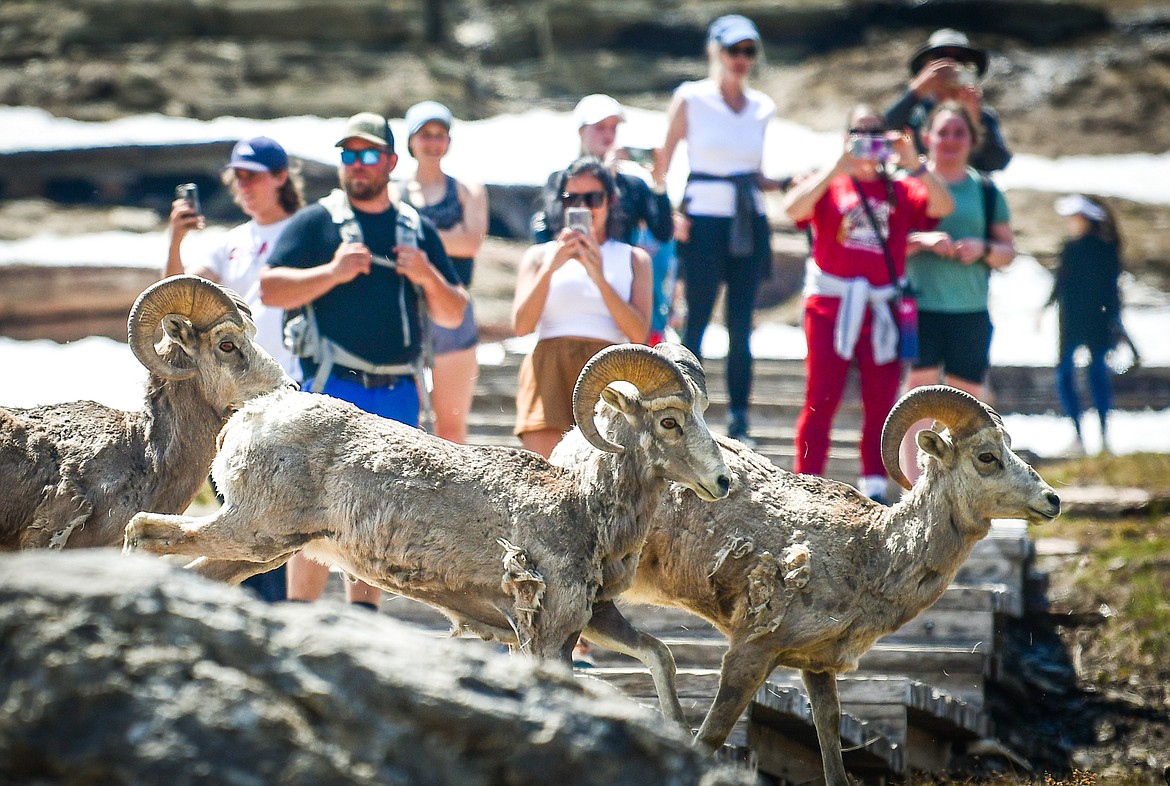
(445, 340)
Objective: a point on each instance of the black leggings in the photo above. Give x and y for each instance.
(706, 265)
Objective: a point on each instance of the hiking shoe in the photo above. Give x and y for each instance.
(737, 428)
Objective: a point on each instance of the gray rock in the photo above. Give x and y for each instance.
(125, 670)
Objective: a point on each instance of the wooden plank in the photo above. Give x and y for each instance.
(786, 713)
(790, 760)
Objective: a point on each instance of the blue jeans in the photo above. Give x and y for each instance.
(396, 402)
(1100, 386)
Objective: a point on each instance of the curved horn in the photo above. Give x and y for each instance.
(961, 412)
(649, 371)
(691, 366)
(197, 299)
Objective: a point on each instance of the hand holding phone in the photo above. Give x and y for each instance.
(190, 193)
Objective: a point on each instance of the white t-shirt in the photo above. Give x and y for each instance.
(574, 306)
(237, 264)
(722, 142)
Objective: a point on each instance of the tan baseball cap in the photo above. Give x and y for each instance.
(369, 126)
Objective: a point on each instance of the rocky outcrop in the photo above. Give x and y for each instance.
(123, 670)
(89, 59)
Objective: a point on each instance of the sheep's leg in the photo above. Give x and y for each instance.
(826, 709)
(745, 667)
(609, 628)
(234, 571)
(223, 535)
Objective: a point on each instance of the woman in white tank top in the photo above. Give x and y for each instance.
(723, 238)
(579, 293)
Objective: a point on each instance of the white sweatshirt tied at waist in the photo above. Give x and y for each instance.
(856, 294)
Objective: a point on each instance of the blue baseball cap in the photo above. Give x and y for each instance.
(425, 112)
(731, 29)
(258, 154)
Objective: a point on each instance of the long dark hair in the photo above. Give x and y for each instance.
(554, 211)
(1107, 228)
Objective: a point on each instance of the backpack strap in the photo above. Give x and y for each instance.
(409, 232)
(327, 352)
(989, 190)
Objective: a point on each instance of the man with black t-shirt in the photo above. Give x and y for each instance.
(362, 270)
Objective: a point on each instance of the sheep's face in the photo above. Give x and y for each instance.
(990, 477)
(231, 368)
(674, 437)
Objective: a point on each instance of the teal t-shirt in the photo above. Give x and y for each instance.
(947, 285)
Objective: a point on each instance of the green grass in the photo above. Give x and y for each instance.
(1148, 471)
(1122, 573)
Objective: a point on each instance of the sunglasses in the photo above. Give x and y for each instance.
(867, 132)
(746, 50)
(368, 157)
(586, 198)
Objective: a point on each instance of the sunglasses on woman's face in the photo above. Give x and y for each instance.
(742, 50)
(368, 157)
(586, 198)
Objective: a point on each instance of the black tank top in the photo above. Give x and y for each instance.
(444, 214)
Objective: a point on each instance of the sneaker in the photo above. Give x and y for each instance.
(583, 660)
(737, 428)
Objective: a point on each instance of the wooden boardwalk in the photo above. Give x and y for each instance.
(918, 698)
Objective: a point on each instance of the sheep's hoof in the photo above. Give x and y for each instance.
(139, 536)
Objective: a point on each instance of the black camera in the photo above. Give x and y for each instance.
(189, 192)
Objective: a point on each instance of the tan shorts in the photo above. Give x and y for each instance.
(544, 399)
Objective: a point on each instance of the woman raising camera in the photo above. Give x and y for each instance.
(580, 292)
(860, 220)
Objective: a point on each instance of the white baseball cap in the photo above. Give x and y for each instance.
(597, 107)
(1078, 205)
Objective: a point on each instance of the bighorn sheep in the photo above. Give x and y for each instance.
(508, 546)
(805, 572)
(72, 475)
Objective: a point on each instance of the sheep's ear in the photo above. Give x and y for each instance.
(622, 402)
(181, 331)
(937, 445)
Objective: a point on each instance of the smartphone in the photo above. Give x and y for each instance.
(580, 219)
(968, 75)
(871, 147)
(189, 192)
(641, 155)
